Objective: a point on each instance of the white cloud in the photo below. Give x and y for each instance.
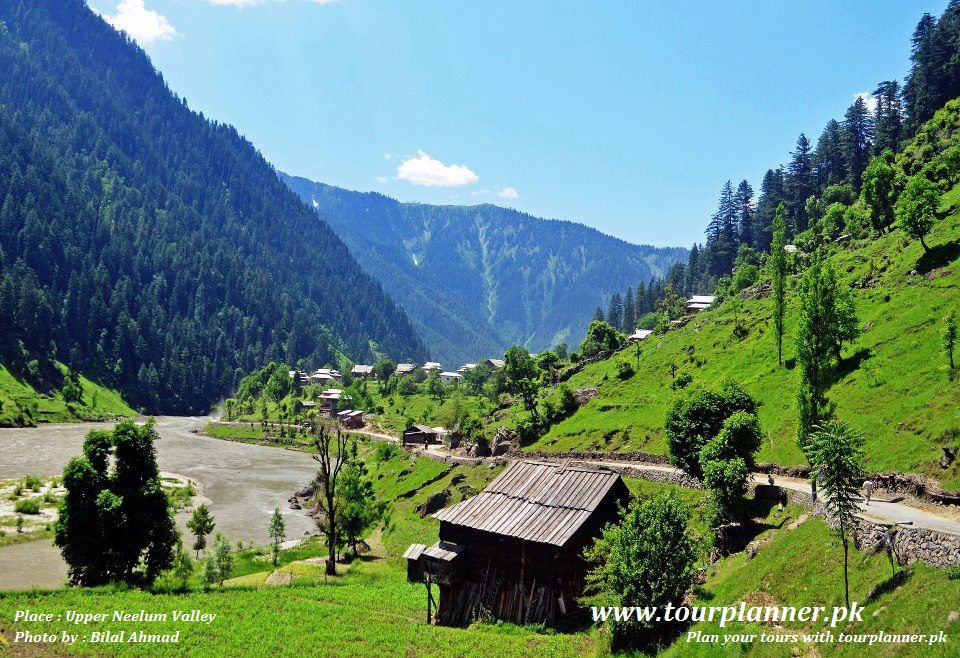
(479, 192)
(142, 24)
(381, 179)
(387, 156)
(507, 192)
(869, 100)
(424, 170)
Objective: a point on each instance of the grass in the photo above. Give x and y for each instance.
(805, 567)
(370, 609)
(22, 405)
(894, 385)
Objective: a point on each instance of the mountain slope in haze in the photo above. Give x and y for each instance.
(148, 247)
(477, 279)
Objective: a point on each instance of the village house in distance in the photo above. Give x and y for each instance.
(515, 550)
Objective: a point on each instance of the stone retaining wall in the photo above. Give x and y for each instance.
(912, 544)
(596, 455)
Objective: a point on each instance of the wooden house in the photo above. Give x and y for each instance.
(420, 433)
(351, 419)
(494, 364)
(406, 368)
(515, 551)
(698, 303)
(432, 365)
(361, 371)
(451, 377)
(331, 399)
(639, 334)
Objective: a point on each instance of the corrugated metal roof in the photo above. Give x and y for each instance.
(535, 501)
(414, 551)
(443, 551)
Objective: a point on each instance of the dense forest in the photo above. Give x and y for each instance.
(147, 246)
(478, 279)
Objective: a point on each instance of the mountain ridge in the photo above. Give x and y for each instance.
(537, 280)
(148, 247)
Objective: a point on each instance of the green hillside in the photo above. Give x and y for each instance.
(893, 384)
(22, 404)
(370, 609)
(477, 279)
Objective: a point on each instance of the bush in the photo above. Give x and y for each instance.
(624, 370)
(568, 401)
(32, 482)
(696, 419)
(27, 506)
(681, 381)
(386, 451)
(648, 321)
(745, 276)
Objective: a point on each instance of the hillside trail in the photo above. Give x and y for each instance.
(877, 510)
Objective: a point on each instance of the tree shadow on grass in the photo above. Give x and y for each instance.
(890, 584)
(851, 364)
(938, 256)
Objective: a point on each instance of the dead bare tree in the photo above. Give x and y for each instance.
(330, 448)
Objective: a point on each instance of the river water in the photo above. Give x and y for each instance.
(241, 483)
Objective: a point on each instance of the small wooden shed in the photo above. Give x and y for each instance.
(418, 433)
(515, 551)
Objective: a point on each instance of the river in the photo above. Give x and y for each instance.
(241, 483)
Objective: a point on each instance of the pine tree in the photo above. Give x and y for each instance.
(889, 116)
(921, 91)
(598, 314)
(745, 209)
(828, 162)
(836, 453)
(721, 233)
(277, 530)
(629, 311)
(222, 557)
(772, 194)
(778, 276)
(800, 183)
(615, 312)
(857, 140)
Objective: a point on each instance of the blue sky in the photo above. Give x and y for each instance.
(626, 116)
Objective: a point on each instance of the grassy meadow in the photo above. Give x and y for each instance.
(893, 385)
(22, 405)
(370, 609)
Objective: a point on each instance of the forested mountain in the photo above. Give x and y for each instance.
(477, 279)
(147, 246)
(838, 184)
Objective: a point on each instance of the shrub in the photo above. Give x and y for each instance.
(624, 370)
(681, 381)
(27, 506)
(696, 419)
(745, 276)
(386, 451)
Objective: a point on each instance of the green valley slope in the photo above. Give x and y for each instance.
(477, 279)
(893, 384)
